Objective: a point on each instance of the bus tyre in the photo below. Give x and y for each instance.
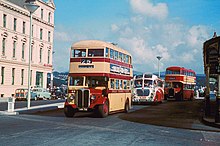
(69, 111)
(126, 107)
(103, 110)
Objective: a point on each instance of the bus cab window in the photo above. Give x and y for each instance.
(76, 81)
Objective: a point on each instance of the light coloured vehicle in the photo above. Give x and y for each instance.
(22, 94)
(42, 93)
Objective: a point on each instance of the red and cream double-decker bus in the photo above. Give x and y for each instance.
(147, 88)
(99, 78)
(179, 83)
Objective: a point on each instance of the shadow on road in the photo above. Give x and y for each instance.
(185, 114)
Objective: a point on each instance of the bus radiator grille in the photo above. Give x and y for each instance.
(83, 99)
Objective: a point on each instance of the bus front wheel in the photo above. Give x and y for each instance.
(69, 111)
(103, 110)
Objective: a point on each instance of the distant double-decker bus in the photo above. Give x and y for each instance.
(147, 88)
(179, 83)
(99, 78)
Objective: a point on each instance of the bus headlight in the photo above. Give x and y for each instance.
(72, 96)
(92, 97)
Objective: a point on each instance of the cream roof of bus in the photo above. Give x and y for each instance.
(97, 44)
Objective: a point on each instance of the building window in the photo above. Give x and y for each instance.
(48, 36)
(49, 17)
(3, 46)
(4, 20)
(13, 76)
(14, 49)
(23, 30)
(2, 75)
(48, 57)
(41, 34)
(41, 55)
(22, 53)
(15, 24)
(22, 76)
(42, 13)
(32, 52)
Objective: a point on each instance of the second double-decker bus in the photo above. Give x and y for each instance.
(179, 83)
(99, 78)
(147, 88)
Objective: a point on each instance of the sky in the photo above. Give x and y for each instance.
(172, 29)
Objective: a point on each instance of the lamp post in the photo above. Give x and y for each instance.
(159, 57)
(31, 6)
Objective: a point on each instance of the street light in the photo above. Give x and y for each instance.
(31, 6)
(159, 57)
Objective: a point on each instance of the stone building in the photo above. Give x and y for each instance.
(14, 45)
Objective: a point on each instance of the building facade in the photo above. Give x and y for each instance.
(14, 45)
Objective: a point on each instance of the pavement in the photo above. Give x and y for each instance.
(159, 115)
(32, 109)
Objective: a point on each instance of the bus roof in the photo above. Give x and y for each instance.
(179, 68)
(97, 44)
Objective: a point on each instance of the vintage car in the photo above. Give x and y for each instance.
(58, 93)
(22, 94)
(42, 93)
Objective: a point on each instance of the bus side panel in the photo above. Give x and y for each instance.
(117, 101)
(187, 94)
(114, 101)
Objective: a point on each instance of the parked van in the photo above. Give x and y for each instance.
(22, 94)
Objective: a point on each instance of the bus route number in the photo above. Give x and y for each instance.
(86, 61)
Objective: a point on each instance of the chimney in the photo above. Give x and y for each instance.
(215, 35)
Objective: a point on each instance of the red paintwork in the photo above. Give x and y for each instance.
(99, 100)
(174, 78)
(110, 75)
(179, 78)
(159, 96)
(181, 69)
(108, 60)
(186, 93)
(118, 91)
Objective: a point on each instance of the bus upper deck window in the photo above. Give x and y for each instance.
(96, 52)
(80, 53)
(106, 52)
(120, 56)
(127, 59)
(116, 55)
(112, 52)
(124, 58)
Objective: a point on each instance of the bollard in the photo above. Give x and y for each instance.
(11, 104)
